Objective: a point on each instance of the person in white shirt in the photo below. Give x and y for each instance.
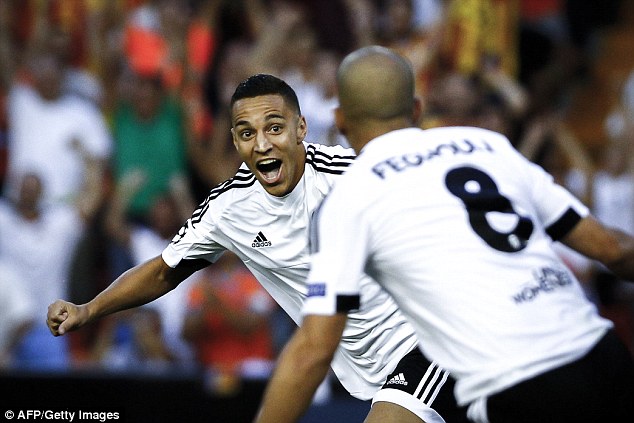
(39, 240)
(17, 312)
(458, 227)
(63, 138)
(262, 215)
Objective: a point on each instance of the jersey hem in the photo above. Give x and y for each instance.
(467, 395)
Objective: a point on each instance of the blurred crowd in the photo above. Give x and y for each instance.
(114, 124)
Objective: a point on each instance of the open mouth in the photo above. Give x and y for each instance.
(269, 169)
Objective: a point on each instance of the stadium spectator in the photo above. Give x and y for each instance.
(17, 310)
(40, 240)
(63, 138)
(146, 128)
(227, 322)
(144, 240)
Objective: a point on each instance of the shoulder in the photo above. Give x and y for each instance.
(21, 92)
(333, 159)
(82, 110)
(239, 186)
(62, 214)
(77, 104)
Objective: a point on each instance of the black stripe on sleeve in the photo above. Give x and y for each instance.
(347, 303)
(327, 163)
(562, 226)
(242, 179)
(193, 264)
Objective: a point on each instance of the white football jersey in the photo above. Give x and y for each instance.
(458, 227)
(270, 235)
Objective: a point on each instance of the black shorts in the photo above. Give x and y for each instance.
(599, 387)
(428, 384)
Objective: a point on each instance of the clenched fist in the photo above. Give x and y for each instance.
(64, 316)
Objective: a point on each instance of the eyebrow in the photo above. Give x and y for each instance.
(267, 118)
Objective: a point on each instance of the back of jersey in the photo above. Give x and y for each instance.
(460, 232)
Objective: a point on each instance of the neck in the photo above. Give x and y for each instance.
(371, 129)
(29, 213)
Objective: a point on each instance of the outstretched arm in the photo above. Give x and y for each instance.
(611, 247)
(137, 286)
(302, 366)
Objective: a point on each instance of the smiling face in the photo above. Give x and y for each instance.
(268, 135)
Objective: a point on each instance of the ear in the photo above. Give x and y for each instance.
(302, 129)
(340, 121)
(233, 137)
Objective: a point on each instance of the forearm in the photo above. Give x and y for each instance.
(181, 192)
(135, 287)
(116, 223)
(91, 195)
(623, 265)
(611, 247)
(301, 368)
(298, 374)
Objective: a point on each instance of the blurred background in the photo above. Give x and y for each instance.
(114, 125)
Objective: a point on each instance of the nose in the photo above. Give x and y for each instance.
(262, 143)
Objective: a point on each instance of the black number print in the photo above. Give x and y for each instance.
(480, 195)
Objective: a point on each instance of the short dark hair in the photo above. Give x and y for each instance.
(265, 84)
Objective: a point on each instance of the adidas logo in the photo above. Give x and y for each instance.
(260, 241)
(399, 379)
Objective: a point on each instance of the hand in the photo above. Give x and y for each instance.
(179, 185)
(64, 316)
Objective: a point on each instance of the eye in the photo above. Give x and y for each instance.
(276, 128)
(246, 134)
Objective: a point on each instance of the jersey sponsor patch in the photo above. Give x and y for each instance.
(547, 280)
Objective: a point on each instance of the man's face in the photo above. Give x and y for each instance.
(30, 192)
(48, 76)
(147, 97)
(268, 135)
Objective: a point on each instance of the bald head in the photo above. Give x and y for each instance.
(375, 83)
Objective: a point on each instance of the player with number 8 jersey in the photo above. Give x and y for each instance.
(423, 216)
(458, 227)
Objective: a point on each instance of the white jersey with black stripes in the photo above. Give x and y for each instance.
(270, 234)
(458, 227)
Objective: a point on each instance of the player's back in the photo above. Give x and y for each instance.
(459, 233)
